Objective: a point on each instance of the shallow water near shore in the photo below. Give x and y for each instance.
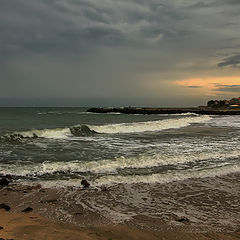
(154, 167)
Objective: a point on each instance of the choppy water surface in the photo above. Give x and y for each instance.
(60, 145)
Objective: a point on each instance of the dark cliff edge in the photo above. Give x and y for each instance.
(147, 111)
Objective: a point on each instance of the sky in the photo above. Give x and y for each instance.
(172, 53)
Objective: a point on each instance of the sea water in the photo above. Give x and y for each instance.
(154, 167)
(37, 144)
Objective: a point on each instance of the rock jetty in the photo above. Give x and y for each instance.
(147, 111)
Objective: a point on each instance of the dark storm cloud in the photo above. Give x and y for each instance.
(233, 61)
(93, 49)
(227, 88)
(58, 26)
(51, 25)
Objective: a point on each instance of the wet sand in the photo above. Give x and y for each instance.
(29, 226)
(70, 213)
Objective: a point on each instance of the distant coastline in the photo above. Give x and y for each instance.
(148, 111)
(214, 107)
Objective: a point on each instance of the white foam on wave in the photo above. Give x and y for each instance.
(149, 126)
(114, 165)
(141, 162)
(162, 178)
(179, 114)
(47, 133)
(171, 176)
(226, 121)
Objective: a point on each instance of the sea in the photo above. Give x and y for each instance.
(178, 164)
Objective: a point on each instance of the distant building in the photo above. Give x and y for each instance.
(234, 102)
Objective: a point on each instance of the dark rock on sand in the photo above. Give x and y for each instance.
(4, 181)
(85, 183)
(4, 206)
(1, 227)
(27, 210)
(183, 220)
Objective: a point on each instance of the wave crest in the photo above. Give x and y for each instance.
(56, 133)
(91, 130)
(150, 126)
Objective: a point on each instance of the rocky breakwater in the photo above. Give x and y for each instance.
(133, 110)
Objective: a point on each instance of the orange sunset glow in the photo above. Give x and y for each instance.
(209, 84)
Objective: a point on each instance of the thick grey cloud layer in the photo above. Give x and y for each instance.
(65, 25)
(111, 49)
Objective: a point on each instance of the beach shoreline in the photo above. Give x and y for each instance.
(46, 221)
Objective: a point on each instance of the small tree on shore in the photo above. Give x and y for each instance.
(211, 103)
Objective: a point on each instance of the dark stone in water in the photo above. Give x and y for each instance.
(4, 206)
(82, 131)
(9, 177)
(35, 135)
(104, 189)
(4, 182)
(183, 219)
(27, 210)
(14, 137)
(85, 183)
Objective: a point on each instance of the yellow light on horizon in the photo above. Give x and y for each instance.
(209, 85)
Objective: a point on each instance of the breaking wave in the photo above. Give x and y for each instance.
(90, 130)
(150, 126)
(57, 133)
(226, 121)
(170, 176)
(162, 178)
(114, 166)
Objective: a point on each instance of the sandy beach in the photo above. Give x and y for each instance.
(46, 221)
